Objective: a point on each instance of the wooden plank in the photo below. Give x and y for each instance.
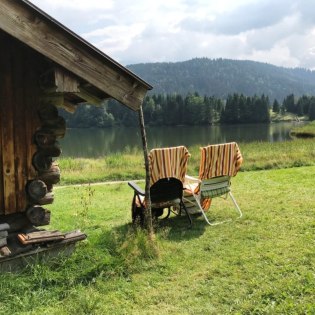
(69, 107)
(7, 135)
(31, 95)
(88, 97)
(21, 143)
(65, 82)
(71, 52)
(1, 124)
(1, 150)
(40, 237)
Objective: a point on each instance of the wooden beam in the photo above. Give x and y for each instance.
(69, 107)
(65, 82)
(56, 99)
(57, 83)
(89, 97)
(58, 80)
(59, 99)
(54, 41)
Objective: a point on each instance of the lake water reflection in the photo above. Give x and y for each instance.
(101, 142)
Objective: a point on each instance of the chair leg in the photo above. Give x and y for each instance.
(236, 205)
(137, 213)
(187, 213)
(205, 216)
(168, 213)
(133, 209)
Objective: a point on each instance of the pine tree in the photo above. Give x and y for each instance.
(276, 106)
(311, 112)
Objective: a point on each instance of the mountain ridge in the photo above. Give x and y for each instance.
(221, 77)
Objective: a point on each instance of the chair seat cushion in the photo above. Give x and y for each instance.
(189, 199)
(215, 192)
(162, 204)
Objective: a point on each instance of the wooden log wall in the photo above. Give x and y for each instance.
(39, 189)
(18, 122)
(29, 130)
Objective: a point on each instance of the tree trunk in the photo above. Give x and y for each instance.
(147, 212)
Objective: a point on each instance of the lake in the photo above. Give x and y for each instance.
(101, 142)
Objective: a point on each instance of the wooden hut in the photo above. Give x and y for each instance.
(43, 65)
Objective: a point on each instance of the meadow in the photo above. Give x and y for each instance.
(263, 263)
(130, 164)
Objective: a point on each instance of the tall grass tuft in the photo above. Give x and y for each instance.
(138, 246)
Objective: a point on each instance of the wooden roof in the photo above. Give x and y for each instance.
(27, 23)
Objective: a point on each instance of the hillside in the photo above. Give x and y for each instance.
(220, 77)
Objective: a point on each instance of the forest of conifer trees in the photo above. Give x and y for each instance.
(192, 109)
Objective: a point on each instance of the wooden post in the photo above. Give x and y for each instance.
(147, 213)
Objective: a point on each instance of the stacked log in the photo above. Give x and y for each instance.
(39, 190)
(4, 228)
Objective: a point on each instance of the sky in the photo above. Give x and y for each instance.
(279, 32)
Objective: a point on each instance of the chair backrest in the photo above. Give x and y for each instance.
(168, 163)
(220, 160)
(166, 189)
(218, 164)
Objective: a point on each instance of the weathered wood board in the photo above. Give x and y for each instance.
(18, 122)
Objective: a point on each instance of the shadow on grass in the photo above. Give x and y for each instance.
(178, 228)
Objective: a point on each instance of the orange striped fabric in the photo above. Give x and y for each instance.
(219, 160)
(216, 160)
(168, 162)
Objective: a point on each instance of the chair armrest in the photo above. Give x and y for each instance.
(191, 182)
(136, 188)
(192, 179)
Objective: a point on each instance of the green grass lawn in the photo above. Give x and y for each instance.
(263, 263)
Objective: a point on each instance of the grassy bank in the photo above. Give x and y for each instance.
(277, 117)
(307, 131)
(263, 263)
(130, 165)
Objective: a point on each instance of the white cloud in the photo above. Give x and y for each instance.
(280, 32)
(74, 4)
(279, 55)
(114, 38)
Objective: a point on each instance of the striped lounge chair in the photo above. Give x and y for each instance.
(218, 164)
(167, 175)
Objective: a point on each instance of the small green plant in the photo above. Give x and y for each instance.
(84, 207)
